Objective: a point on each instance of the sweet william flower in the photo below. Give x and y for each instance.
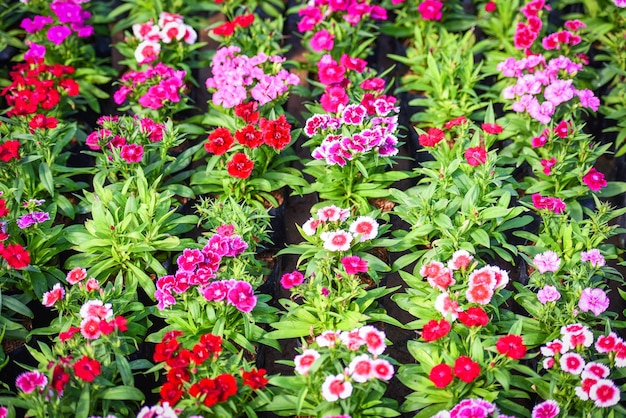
(27, 382)
(241, 295)
(594, 256)
(511, 346)
(441, 375)
(435, 330)
(336, 387)
(304, 361)
(594, 300)
(87, 369)
(240, 166)
(322, 40)
(604, 393)
(474, 316)
(15, 255)
(547, 261)
(466, 369)
(594, 180)
(53, 296)
(354, 264)
(289, 280)
(476, 156)
(546, 409)
(430, 9)
(548, 294)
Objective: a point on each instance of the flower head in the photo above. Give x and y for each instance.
(547, 261)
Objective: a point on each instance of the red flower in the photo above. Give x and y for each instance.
(240, 166)
(225, 29)
(455, 122)
(64, 336)
(432, 138)
(249, 136)
(434, 330)
(466, 369)
(277, 132)
(206, 388)
(474, 316)
(562, 129)
(165, 349)
(476, 156)
(594, 179)
(182, 359)
(441, 375)
(87, 369)
(219, 141)
(213, 343)
(170, 393)
(106, 327)
(244, 20)
(16, 256)
(227, 386)
(200, 353)
(524, 36)
(9, 150)
(255, 379)
(490, 6)
(491, 128)
(120, 323)
(71, 86)
(59, 378)
(40, 121)
(178, 375)
(512, 346)
(4, 211)
(247, 112)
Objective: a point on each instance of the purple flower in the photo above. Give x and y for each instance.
(35, 51)
(594, 256)
(36, 24)
(57, 34)
(594, 300)
(241, 295)
(67, 12)
(547, 261)
(548, 294)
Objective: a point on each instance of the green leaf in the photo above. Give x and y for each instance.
(480, 237)
(82, 407)
(122, 393)
(45, 175)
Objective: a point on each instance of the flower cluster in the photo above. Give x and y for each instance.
(197, 268)
(474, 407)
(152, 88)
(541, 86)
(228, 28)
(170, 30)
(38, 87)
(249, 147)
(124, 137)
(527, 32)
(352, 12)
(67, 17)
(371, 133)
(201, 377)
(552, 204)
(237, 77)
(574, 356)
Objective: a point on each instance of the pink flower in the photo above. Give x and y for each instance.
(147, 51)
(548, 294)
(594, 179)
(92, 284)
(483, 276)
(461, 259)
(360, 368)
(354, 264)
(322, 40)
(441, 281)
(132, 153)
(430, 9)
(365, 228)
(476, 156)
(289, 280)
(90, 328)
(304, 361)
(572, 363)
(27, 382)
(76, 275)
(383, 370)
(374, 339)
(547, 165)
(216, 291)
(538, 141)
(604, 393)
(447, 307)
(97, 309)
(595, 370)
(332, 213)
(547, 261)
(336, 387)
(480, 294)
(53, 296)
(35, 51)
(329, 71)
(241, 295)
(554, 347)
(432, 269)
(189, 259)
(333, 98)
(546, 409)
(606, 343)
(57, 34)
(594, 300)
(336, 240)
(559, 91)
(351, 339)
(327, 339)
(594, 256)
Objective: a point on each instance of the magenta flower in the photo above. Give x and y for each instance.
(354, 264)
(594, 179)
(289, 280)
(546, 409)
(594, 300)
(241, 295)
(430, 9)
(27, 382)
(132, 153)
(57, 34)
(547, 261)
(548, 294)
(35, 52)
(322, 40)
(333, 98)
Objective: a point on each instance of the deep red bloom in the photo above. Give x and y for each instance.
(240, 166)
(64, 336)
(524, 36)
(455, 122)
(208, 389)
(441, 375)
(475, 156)
(120, 323)
(225, 29)
(490, 6)
(491, 128)
(87, 369)
(227, 385)
(178, 375)
(59, 378)
(165, 350)
(277, 132)
(244, 20)
(200, 353)
(219, 141)
(512, 346)
(434, 330)
(255, 379)
(170, 393)
(432, 138)
(106, 327)
(213, 343)
(249, 136)
(4, 211)
(9, 150)
(16, 256)
(474, 316)
(466, 369)
(247, 112)
(181, 359)
(40, 121)
(562, 129)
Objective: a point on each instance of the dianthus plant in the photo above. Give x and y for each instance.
(461, 351)
(579, 369)
(86, 369)
(121, 144)
(353, 148)
(337, 372)
(213, 291)
(202, 379)
(156, 92)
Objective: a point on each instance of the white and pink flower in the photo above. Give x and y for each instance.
(572, 363)
(96, 309)
(339, 240)
(336, 387)
(461, 259)
(76, 275)
(382, 369)
(304, 361)
(374, 339)
(604, 393)
(365, 228)
(53, 296)
(360, 368)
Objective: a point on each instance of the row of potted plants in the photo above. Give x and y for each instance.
(144, 231)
